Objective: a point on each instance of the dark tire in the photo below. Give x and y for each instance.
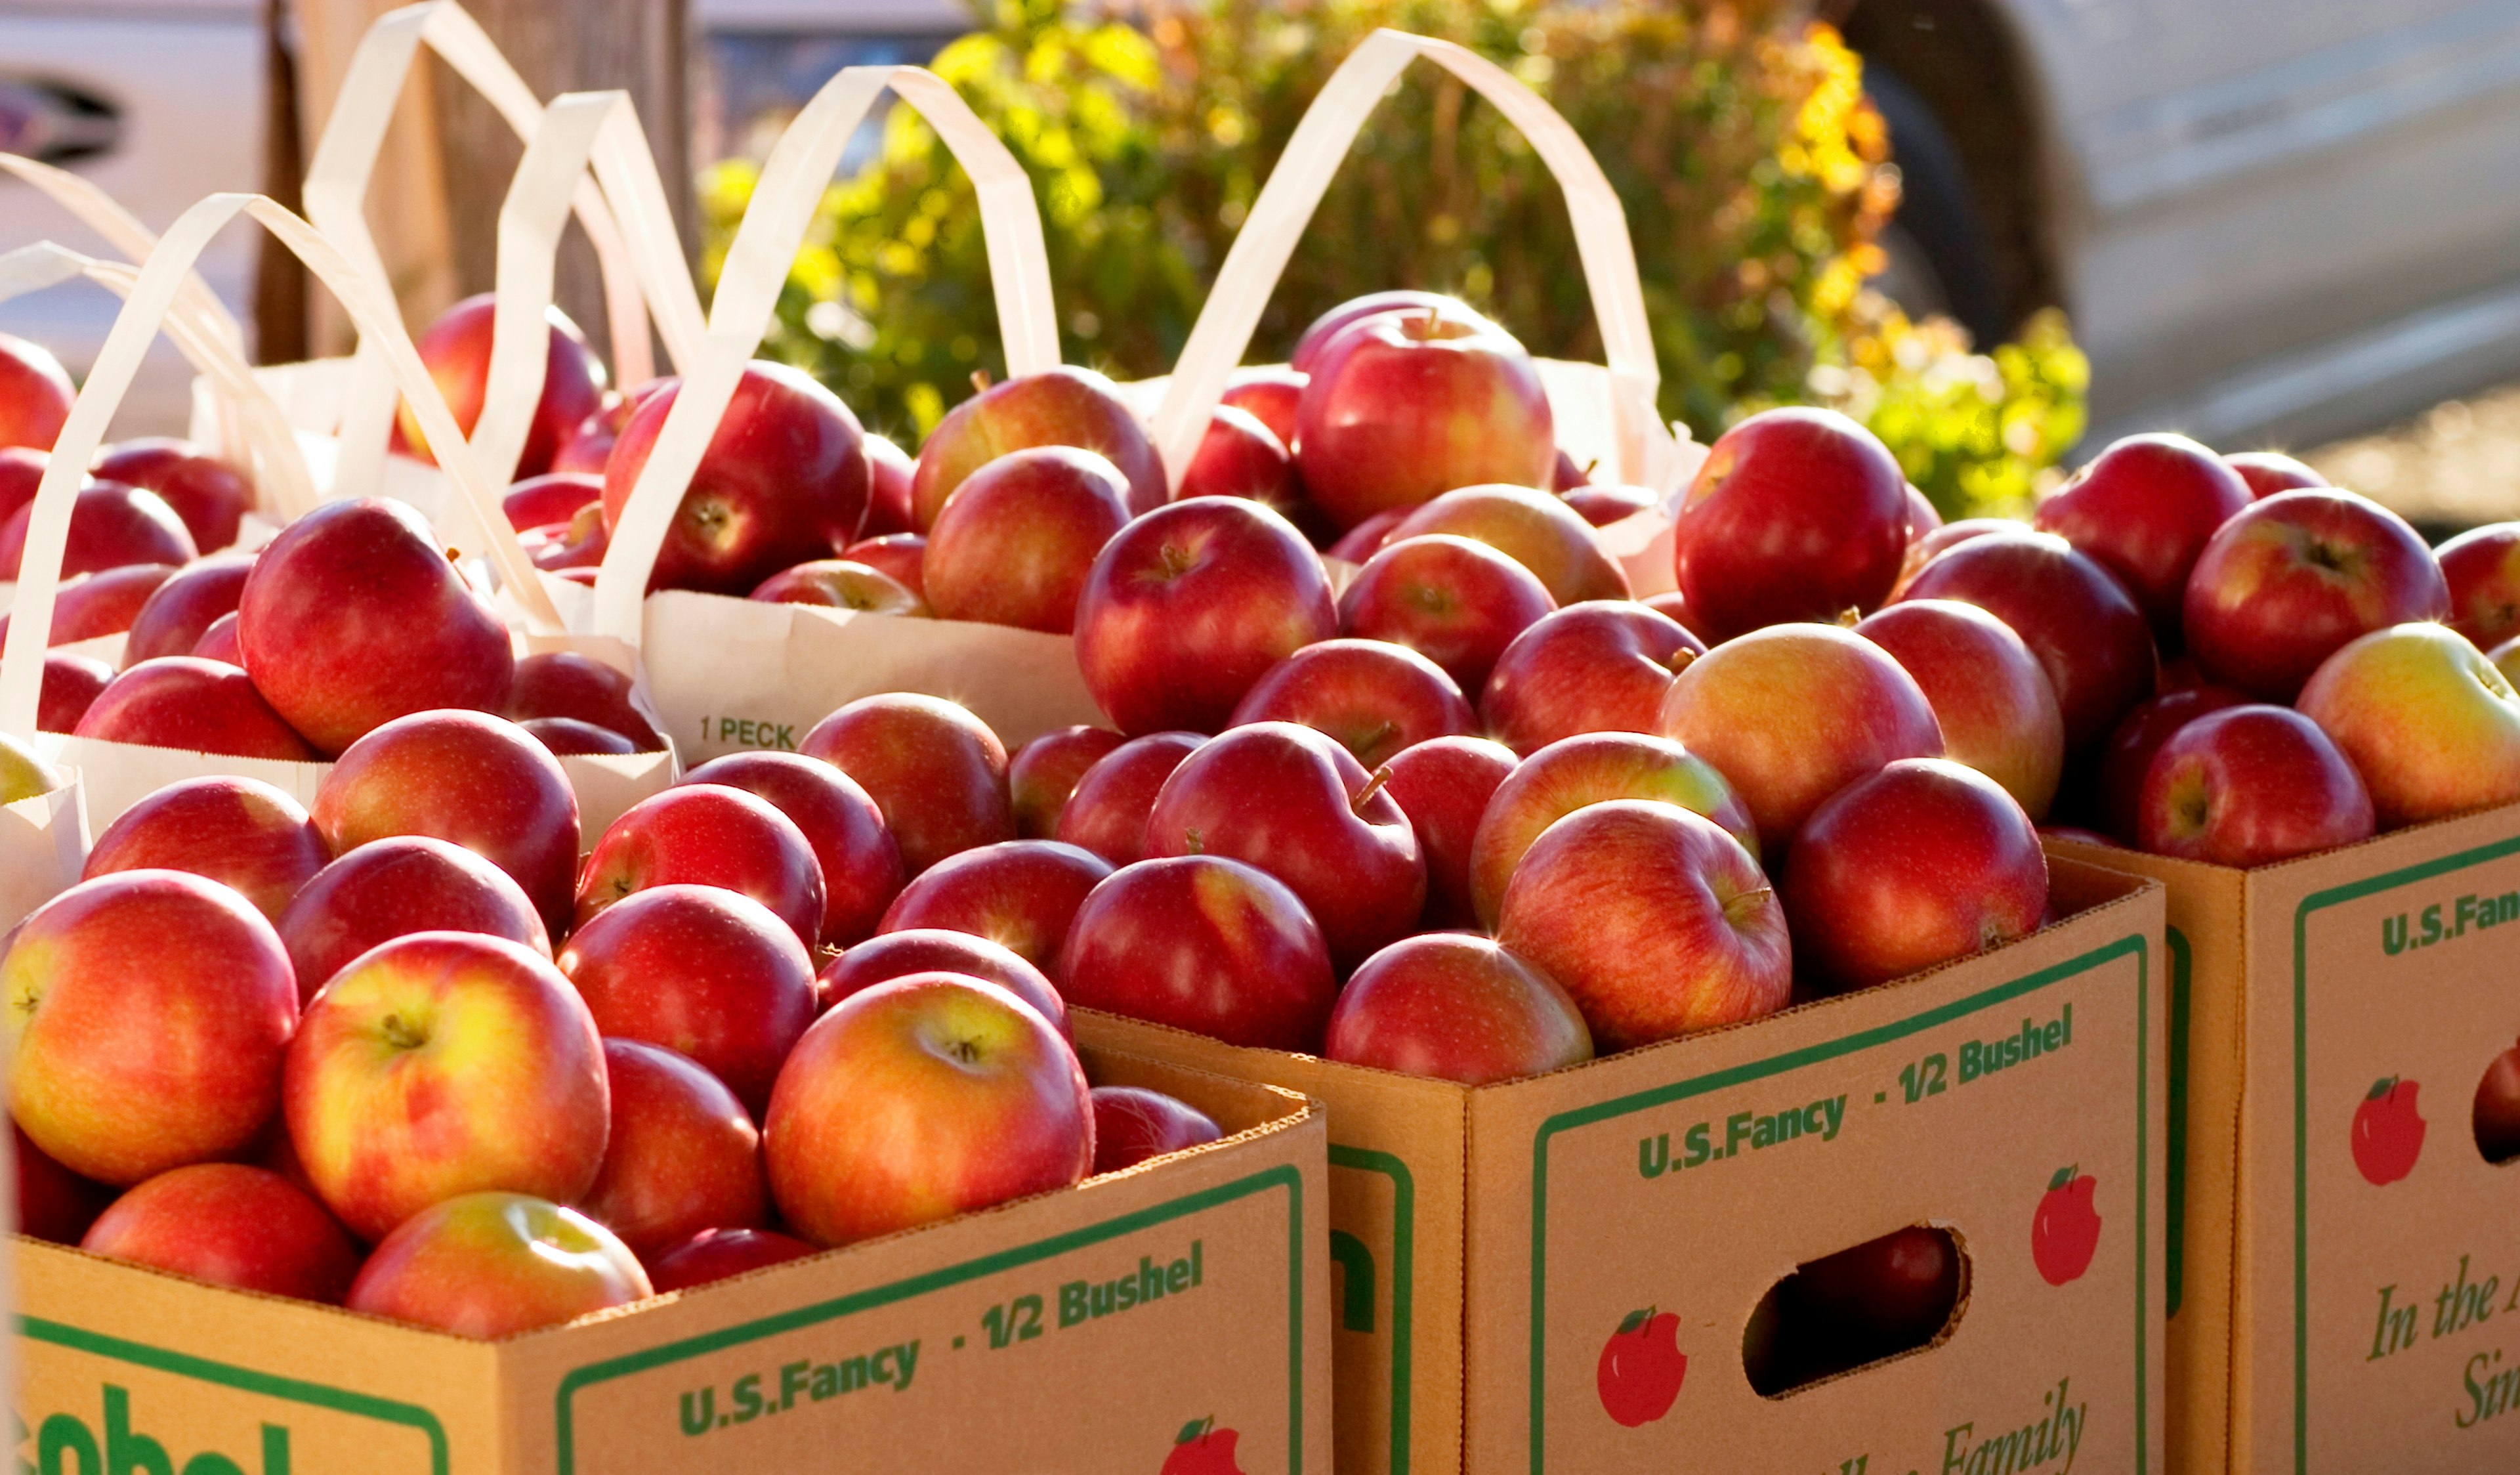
(1943, 256)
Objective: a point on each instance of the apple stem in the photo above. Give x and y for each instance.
(1373, 786)
(1850, 617)
(1741, 905)
(1681, 659)
(980, 380)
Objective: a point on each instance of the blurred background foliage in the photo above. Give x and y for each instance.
(1753, 171)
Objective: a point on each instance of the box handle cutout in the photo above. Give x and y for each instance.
(1863, 1304)
(2497, 1115)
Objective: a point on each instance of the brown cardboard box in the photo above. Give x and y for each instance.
(2324, 1323)
(1487, 1242)
(995, 1342)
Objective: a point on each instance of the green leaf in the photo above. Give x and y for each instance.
(1195, 1430)
(2063, 1179)
(1634, 1321)
(2381, 1088)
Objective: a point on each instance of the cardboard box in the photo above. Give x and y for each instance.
(1486, 1243)
(996, 1342)
(2323, 1322)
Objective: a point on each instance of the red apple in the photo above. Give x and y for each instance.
(102, 604)
(2118, 785)
(1590, 769)
(457, 351)
(2494, 1114)
(494, 1264)
(1061, 407)
(200, 706)
(1240, 456)
(901, 556)
(1602, 666)
(2251, 785)
(2269, 472)
(218, 642)
(354, 617)
(442, 1064)
(837, 583)
(1403, 405)
(72, 685)
(1671, 606)
(1652, 918)
(1923, 549)
(578, 543)
(1188, 604)
(1798, 514)
(232, 1225)
(1874, 1300)
(1566, 476)
(36, 395)
(2482, 569)
(148, 1013)
(553, 497)
(210, 495)
(240, 832)
(2288, 581)
(1458, 602)
(589, 444)
(1921, 863)
(111, 526)
(889, 470)
(783, 480)
(1367, 538)
(22, 472)
(2087, 630)
(1294, 802)
(1989, 694)
(1132, 1124)
(1106, 813)
(392, 888)
(1202, 944)
(1044, 771)
(170, 622)
(1600, 505)
(1269, 395)
(1444, 785)
(1374, 697)
(53, 1203)
(466, 778)
(1318, 334)
(706, 834)
(1548, 538)
(566, 684)
(682, 1156)
(930, 949)
(1013, 542)
(718, 1254)
(860, 865)
(1022, 893)
(2145, 509)
(937, 772)
(918, 1099)
(1456, 1008)
(567, 737)
(1922, 516)
(2429, 723)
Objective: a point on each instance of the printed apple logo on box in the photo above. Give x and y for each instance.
(2065, 1232)
(2388, 1136)
(1642, 1365)
(1202, 1449)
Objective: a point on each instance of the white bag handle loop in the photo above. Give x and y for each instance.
(1646, 446)
(791, 185)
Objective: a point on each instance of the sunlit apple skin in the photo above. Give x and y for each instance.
(492, 1265)
(567, 737)
(1206, 944)
(1318, 334)
(2267, 472)
(1600, 665)
(2126, 759)
(682, 1156)
(1294, 802)
(1367, 538)
(457, 350)
(1600, 505)
(1269, 395)
(1013, 542)
(918, 1099)
(2251, 785)
(70, 687)
(1534, 529)
(1798, 514)
(196, 704)
(2482, 569)
(1457, 602)
(861, 871)
(932, 950)
(111, 526)
(2145, 509)
(707, 834)
(1456, 1008)
(1240, 456)
(1791, 713)
(714, 1255)
(1989, 694)
(354, 617)
(2429, 723)
(392, 888)
(901, 556)
(218, 642)
(442, 1064)
(104, 603)
(36, 395)
(148, 1013)
(937, 772)
(1059, 407)
(1106, 813)
(1444, 785)
(232, 1225)
(210, 494)
(1022, 893)
(1132, 1124)
(1922, 547)
(566, 684)
(889, 468)
(1374, 697)
(1591, 769)
(53, 1203)
(1189, 605)
(837, 583)
(171, 620)
(241, 832)
(1655, 921)
(2297, 576)
(783, 480)
(1404, 405)
(1926, 861)
(466, 778)
(532, 502)
(1044, 771)
(22, 472)
(2089, 633)
(577, 544)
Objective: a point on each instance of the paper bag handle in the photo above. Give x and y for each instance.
(1303, 172)
(792, 183)
(152, 295)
